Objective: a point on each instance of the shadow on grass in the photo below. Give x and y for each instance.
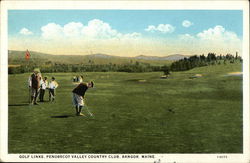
(23, 104)
(134, 80)
(62, 116)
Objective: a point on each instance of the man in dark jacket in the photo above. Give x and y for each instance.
(78, 96)
(34, 85)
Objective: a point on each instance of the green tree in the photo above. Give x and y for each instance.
(166, 70)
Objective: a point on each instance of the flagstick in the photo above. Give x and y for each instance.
(29, 89)
(29, 85)
(27, 57)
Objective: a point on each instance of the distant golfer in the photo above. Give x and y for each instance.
(78, 96)
(44, 86)
(52, 89)
(81, 79)
(34, 85)
(74, 78)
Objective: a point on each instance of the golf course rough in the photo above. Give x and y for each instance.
(133, 113)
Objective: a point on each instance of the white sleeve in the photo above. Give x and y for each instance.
(41, 82)
(29, 81)
(56, 84)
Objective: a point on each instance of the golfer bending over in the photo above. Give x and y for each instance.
(78, 96)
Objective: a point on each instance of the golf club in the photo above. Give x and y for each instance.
(88, 111)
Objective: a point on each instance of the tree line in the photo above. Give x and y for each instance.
(59, 67)
(180, 65)
(202, 60)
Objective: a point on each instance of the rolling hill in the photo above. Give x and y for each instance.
(173, 57)
(15, 57)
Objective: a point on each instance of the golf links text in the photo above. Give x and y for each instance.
(84, 156)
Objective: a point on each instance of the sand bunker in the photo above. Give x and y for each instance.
(234, 74)
(164, 76)
(196, 76)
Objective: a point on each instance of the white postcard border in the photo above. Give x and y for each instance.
(159, 5)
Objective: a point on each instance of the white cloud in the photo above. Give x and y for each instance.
(215, 34)
(99, 36)
(216, 39)
(25, 31)
(218, 33)
(163, 28)
(186, 37)
(52, 30)
(72, 29)
(98, 29)
(132, 35)
(186, 23)
(151, 28)
(95, 29)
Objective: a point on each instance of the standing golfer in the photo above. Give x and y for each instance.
(52, 89)
(34, 85)
(78, 96)
(44, 85)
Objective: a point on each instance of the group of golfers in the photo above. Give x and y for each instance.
(38, 86)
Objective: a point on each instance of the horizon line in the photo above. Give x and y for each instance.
(188, 55)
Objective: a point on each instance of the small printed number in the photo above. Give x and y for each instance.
(223, 156)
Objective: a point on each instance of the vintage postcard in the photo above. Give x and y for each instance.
(125, 81)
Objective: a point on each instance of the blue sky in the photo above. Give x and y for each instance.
(129, 21)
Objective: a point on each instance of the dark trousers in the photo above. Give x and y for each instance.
(34, 94)
(41, 96)
(51, 94)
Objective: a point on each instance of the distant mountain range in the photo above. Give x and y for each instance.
(15, 56)
(173, 57)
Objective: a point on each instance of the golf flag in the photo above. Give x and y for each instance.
(27, 55)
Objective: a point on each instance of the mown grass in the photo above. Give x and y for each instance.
(134, 113)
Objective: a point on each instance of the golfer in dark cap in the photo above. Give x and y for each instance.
(78, 96)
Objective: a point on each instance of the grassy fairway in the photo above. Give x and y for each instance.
(134, 113)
